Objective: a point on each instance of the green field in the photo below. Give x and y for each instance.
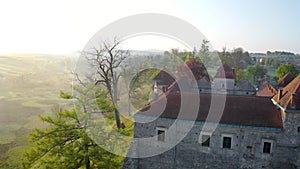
(29, 86)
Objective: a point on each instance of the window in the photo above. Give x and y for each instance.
(205, 140)
(226, 142)
(298, 130)
(161, 133)
(267, 147)
(249, 149)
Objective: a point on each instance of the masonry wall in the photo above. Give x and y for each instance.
(222, 83)
(291, 135)
(190, 154)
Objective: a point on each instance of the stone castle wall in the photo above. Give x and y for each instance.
(246, 151)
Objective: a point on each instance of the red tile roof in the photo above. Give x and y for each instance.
(225, 71)
(239, 110)
(293, 88)
(266, 90)
(197, 69)
(164, 77)
(285, 80)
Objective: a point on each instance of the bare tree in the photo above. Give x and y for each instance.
(106, 59)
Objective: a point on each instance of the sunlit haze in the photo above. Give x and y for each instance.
(59, 27)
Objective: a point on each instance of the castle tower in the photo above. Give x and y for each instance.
(225, 78)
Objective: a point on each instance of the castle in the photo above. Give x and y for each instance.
(254, 129)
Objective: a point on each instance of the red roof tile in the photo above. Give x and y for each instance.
(266, 90)
(225, 71)
(293, 88)
(164, 77)
(192, 69)
(239, 110)
(285, 80)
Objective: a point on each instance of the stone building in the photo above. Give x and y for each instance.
(224, 78)
(224, 82)
(247, 132)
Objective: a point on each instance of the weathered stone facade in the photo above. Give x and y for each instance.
(246, 151)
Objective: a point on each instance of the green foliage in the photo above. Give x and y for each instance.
(66, 145)
(154, 74)
(240, 75)
(204, 52)
(255, 74)
(65, 95)
(237, 58)
(110, 116)
(73, 138)
(274, 80)
(15, 155)
(186, 56)
(103, 103)
(141, 87)
(284, 69)
(275, 62)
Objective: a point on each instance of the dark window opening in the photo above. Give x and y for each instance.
(249, 149)
(160, 135)
(205, 140)
(227, 142)
(267, 147)
(298, 129)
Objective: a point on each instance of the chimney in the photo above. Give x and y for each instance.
(155, 88)
(155, 91)
(279, 94)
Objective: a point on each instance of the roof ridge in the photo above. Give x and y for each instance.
(286, 79)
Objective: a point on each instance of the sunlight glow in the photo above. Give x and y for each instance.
(64, 26)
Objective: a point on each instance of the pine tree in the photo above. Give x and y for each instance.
(67, 142)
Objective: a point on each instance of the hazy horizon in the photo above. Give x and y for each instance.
(59, 27)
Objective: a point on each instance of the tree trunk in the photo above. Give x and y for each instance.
(117, 115)
(115, 100)
(129, 105)
(88, 162)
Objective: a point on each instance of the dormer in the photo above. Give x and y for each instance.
(288, 100)
(294, 101)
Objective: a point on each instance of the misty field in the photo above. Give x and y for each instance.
(29, 86)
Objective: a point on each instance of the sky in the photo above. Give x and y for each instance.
(65, 26)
